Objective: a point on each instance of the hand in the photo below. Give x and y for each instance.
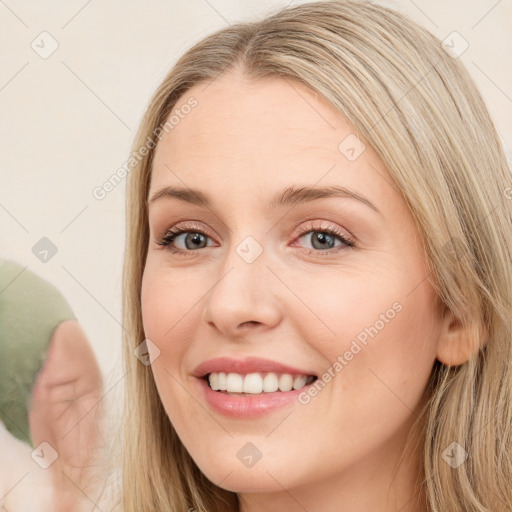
(66, 412)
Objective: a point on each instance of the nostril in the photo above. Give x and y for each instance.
(249, 322)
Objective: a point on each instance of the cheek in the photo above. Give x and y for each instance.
(166, 306)
(343, 308)
(397, 352)
(379, 336)
(166, 318)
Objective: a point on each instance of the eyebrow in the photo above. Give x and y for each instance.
(288, 197)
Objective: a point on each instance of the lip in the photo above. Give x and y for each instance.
(245, 366)
(250, 405)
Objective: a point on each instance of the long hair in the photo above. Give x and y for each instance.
(422, 113)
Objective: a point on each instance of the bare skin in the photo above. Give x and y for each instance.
(66, 413)
(243, 143)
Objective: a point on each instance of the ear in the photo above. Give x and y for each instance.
(458, 341)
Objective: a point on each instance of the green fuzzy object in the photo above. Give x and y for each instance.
(30, 310)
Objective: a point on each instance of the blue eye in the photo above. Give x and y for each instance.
(196, 238)
(326, 236)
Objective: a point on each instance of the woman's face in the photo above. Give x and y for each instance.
(312, 285)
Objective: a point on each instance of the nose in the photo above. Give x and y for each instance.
(243, 298)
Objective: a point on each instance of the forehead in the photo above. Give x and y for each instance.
(269, 133)
(233, 113)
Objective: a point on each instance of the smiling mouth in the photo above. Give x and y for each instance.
(256, 383)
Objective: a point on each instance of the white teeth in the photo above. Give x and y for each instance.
(286, 382)
(256, 383)
(270, 383)
(234, 383)
(222, 382)
(214, 381)
(299, 382)
(253, 383)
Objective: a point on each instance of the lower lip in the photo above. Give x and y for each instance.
(250, 405)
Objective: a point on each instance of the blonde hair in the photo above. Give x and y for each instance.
(422, 113)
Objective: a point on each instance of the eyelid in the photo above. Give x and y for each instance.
(347, 240)
(312, 225)
(182, 227)
(318, 225)
(187, 225)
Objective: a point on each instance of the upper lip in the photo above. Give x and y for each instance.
(246, 365)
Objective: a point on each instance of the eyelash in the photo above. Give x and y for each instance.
(181, 228)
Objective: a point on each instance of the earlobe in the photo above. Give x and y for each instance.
(458, 341)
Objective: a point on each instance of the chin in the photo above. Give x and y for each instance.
(232, 474)
(246, 480)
